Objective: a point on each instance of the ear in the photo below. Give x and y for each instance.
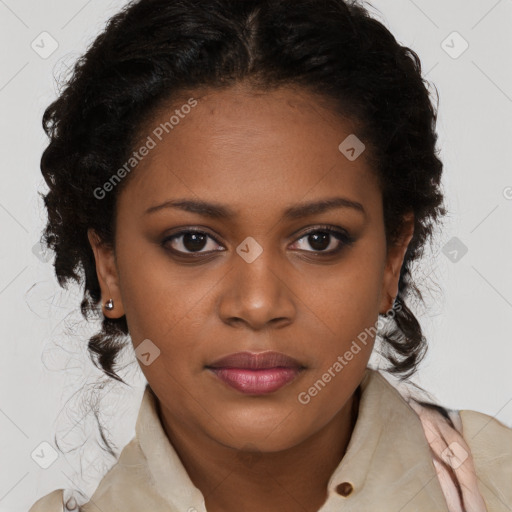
(106, 271)
(394, 259)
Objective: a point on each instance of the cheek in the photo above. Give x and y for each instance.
(347, 306)
(347, 299)
(157, 294)
(348, 310)
(170, 308)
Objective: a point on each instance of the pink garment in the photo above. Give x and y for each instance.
(452, 459)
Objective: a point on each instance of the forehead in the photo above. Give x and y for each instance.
(253, 150)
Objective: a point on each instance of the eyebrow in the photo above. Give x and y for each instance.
(219, 211)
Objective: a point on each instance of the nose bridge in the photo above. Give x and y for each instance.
(257, 292)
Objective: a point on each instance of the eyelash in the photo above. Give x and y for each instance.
(340, 234)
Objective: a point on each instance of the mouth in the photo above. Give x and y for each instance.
(256, 373)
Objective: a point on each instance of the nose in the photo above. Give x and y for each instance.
(258, 294)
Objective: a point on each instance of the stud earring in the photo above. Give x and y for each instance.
(109, 305)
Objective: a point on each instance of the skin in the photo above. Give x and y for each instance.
(257, 154)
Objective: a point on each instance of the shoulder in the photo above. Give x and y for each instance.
(490, 442)
(52, 502)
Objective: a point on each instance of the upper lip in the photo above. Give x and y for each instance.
(255, 361)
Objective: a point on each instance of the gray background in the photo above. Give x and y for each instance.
(45, 375)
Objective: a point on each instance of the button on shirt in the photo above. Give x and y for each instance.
(387, 466)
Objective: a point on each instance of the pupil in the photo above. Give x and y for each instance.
(194, 241)
(319, 241)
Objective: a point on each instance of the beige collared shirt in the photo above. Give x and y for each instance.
(387, 467)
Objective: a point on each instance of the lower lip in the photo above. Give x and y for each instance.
(258, 382)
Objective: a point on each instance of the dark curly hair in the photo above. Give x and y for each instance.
(153, 51)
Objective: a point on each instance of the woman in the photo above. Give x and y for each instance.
(244, 187)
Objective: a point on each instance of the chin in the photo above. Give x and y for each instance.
(252, 434)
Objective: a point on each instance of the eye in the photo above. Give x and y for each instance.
(191, 240)
(323, 240)
(326, 240)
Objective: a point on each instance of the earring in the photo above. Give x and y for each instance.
(109, 305)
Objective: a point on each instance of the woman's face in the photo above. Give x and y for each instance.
(256, 280)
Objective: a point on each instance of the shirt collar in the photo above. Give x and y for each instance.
(387, 461)
(170, 476)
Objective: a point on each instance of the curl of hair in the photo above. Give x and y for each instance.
(154, 51)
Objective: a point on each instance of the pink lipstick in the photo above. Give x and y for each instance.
(256, 373)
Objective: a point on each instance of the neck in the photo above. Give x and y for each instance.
(288, 480)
